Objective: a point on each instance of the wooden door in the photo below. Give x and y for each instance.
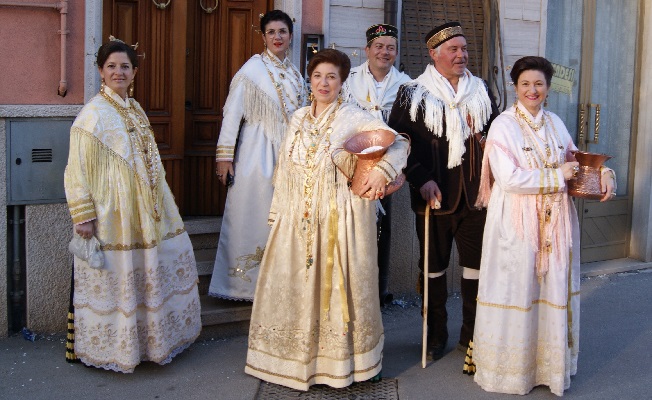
(588, 37)
(188, 57)
(219, 43)
(160, 34)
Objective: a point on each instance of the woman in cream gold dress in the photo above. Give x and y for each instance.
(316, 315)
(263, 95)
(143, 304)
(527, 322)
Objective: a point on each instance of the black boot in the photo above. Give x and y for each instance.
(437, 318)
(469, 304)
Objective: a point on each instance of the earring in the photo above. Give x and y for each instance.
(102, 86)
(545, 102)
(131, 89)
(311, 97)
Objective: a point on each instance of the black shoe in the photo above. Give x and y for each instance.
(435, 353)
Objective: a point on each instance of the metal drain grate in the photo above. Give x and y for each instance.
(386, 389)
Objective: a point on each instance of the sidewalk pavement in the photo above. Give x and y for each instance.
(615, 359)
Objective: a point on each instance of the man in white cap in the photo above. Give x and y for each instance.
(373, 86)
(446, 111)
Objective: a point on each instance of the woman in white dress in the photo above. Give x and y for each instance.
(527, 322)
(143, 304)
(263, 95)
(316, 315)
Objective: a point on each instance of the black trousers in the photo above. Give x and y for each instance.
(465, 225)
(384, 245)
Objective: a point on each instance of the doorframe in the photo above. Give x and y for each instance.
(589, 15)
(641, 180)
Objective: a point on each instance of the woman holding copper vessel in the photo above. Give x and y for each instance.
(142, 304)
(527, 322)
(316, 316)
(263, 95)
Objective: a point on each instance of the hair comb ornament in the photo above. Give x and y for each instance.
(115, 39)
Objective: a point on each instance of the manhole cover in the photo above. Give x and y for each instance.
(386, 389)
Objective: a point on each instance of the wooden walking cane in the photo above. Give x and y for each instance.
(426, 244)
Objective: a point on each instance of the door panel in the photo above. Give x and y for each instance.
(613, 84)
(219, 43)
(160, 34)
(592, 37)
(188, 58)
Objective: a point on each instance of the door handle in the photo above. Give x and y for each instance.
(596, 134)
(580, 139)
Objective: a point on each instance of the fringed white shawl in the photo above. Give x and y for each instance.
(470, 103)
(260, 102)
(360, 89)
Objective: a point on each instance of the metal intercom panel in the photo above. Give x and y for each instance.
(37, 154)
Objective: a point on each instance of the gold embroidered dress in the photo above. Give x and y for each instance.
(527, 321)
(316, 315)
(262, 97)
(143, 305)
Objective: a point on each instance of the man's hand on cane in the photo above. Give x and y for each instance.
(431, 194)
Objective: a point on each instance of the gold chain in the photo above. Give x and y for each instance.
(322, 136)
(144, 143)
(278, 86)
(547, 202)
(535, 127)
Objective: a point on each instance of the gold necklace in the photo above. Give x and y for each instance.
(278, 86)
(549, 199)
(545, 159)
(282, 65)
(145, 145)
(535, 127)
(316, 141)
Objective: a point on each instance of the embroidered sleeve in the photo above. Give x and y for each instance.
(80, 201)
(231, 121)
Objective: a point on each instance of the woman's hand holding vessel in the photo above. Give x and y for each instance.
(570, 169)
(375, 186)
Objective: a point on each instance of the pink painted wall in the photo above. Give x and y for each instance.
(30, 48)
(312, 14)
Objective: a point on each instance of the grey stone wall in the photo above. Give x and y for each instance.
(48, 232)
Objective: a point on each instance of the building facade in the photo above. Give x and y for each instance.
(190, 52)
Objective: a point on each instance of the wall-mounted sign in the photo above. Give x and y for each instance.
(562, 79)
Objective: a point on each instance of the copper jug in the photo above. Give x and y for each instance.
(367, 160)
(587, 182)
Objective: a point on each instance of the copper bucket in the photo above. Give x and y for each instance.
(369, 147)
(587, 182)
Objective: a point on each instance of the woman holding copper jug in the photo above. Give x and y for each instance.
(527, 322)
(316, 313)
